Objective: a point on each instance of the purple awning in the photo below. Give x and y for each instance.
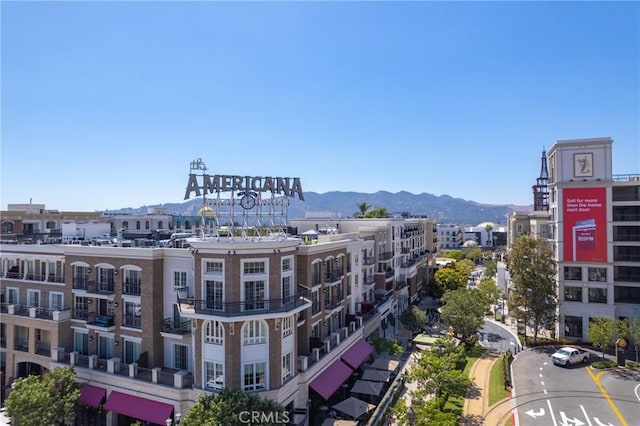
(330, 379)
(139, 408)
(357, 354)
(91, 396)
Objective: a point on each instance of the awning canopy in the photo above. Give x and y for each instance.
(366, 387)
(374, 375)
(331, 378)
(92, 396)
(357, 354)
(354, 407)
(139, 408)
(385, 364)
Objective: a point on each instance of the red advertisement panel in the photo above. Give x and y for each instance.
(585, 225)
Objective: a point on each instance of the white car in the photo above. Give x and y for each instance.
(570, 355)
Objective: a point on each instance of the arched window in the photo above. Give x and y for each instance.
(137, 224)
(147, 225)
(214, 332)
(254, 332)
(160, 225)
(125, 225)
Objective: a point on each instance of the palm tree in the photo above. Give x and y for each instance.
(362, 209)
(488, 227)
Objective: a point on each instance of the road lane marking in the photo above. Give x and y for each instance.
(585, 415)
(545, 391)
(637, 392)
(596, 379)
(553, 416)
(542, 383)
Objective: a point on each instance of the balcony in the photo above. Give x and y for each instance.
(170, 377)
(132, 321)
(368, 280)
(104, 287)
(132, 287)
(37, 312)
(20, 275)
(333, 303)
(101, 321)
(81, 283)
(176, 326)
(190, 306)
(333, 276)
(383, 257)
(368, 261)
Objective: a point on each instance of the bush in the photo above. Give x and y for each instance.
(633, 364)
(506, 360)
(603, 364)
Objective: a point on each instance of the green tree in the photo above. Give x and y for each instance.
(490, 268)
(232, 407)
(391, 346)
(414, 318)
(49, 399)
(450, 278)
(475, 255)
(634, 334)
(453, 254)
(605, 331)
(489, 291)
(436, 375)
(533, 297)
(430, 413)
(377, 212)
(488, 227)
(466, 266)
(464, 311)
(363, 207)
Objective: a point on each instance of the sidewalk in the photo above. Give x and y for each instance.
(476, 410)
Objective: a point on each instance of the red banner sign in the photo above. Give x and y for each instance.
(585, 225)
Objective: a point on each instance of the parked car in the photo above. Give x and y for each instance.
(570, 355)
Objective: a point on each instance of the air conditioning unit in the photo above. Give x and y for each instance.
(137, 311)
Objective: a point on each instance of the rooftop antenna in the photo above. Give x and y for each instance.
(198, 164)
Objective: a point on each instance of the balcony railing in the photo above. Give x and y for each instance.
(230, 309)
(104, 287)
(332, 302)
(36, 312)
(369, 260)
(132, 321)
(369, 279)
(81, 283)
(385, 256)
(51, 278)
(105, 321)
(333, 276)
(132, 287)
(176, 326)
(626, 257)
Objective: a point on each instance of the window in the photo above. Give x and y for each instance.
(7, 227)
(214, 375)
(253, 268)
(214, 332)
(147, 225)
(315, 302)
(81, 308)
(213, 268)
(56, 301)
(287, 371)
(132, 351)
(287, 327)
(315, 330)
(573, 294)
(254, 332)
(132, 282)
(105, 279)
(287, 264)
(254, 295)
(179, 280)
(287, 293)
(160, 225)
(81, 342)
(180, 356)
(137, 224)
(105, 346)
(315, 273)
(132, 314)
(33, 296)
(254, 376)
(125, 225)
(573, 273)
(80, 277)
(597, 295)
(597, 274)
(519, 228)
(13, 296)
(214, 293)
(572, 326)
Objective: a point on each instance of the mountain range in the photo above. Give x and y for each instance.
(443, 208)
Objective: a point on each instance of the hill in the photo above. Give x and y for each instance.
(443, 208)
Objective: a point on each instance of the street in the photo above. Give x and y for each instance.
(546, 394)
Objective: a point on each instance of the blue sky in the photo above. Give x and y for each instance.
(104, 104)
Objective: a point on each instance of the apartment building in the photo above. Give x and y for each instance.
(450, 236)
(591, 217)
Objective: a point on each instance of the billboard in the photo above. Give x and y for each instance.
(585, 225)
